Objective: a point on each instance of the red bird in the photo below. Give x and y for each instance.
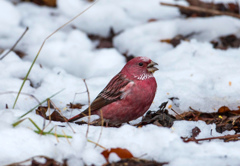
(128, 95)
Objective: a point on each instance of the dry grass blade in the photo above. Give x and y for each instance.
(2, 93)
(42, 47)
(89, 107)
(97, 144)
(15, 43)
(102, 122)
(66, 137)
(225, 137)
(62, 115)
(40, 104)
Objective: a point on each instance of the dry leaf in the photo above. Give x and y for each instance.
(122, 153)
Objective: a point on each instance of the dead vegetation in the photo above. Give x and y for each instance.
(225, 119)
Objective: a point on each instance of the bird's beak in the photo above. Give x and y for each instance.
(151, 67)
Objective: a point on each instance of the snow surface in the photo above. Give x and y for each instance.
(194, 72)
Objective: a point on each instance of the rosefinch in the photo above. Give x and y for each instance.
(128, 95)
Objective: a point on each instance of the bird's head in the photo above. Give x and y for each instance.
(140, 68)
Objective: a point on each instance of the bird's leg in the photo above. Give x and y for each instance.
(107, 121)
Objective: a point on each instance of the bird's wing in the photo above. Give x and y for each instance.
(115, 90)
(112, 92)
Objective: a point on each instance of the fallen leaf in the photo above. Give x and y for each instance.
(50, 3)
(75, 106)
(55, 116)
(122, 153)
(195, 132)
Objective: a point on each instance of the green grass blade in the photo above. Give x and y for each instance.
(51, 130)
(47, 133)
(35, 124)
(18, 122)
(29, 70)
(25, 79)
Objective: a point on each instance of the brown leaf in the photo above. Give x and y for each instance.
(195, 132)
(224, 110)
(41, 110)
(75, 106)
(55, 116)
(51, 3)
(122, 153)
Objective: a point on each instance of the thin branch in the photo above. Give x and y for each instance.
(15, 43)
(42, 47)
(60, 112)
(55, 134)
(40, 104)
(97, 144)
(102, 122)
(211, 138)
(66, 137)
(177, 114)
(75, 98)
(45, 126)
(22, 93)
(89, 107)
(202, 10)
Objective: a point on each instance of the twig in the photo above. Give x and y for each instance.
(210, 138)
(74, 100)
(102, 121)
(66, 137)
(55, 134)
(42, 47)
(89, 107)
(177, 114)
(61, 115)
(2, 93)
(202, 10)
(15, 43)
(49, 110)
(45, 126)
(40, 104)
(97, 144)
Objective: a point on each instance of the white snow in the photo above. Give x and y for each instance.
(201, 77)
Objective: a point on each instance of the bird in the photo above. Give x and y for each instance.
(128, 95)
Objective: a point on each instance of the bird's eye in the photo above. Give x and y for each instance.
(140, 64)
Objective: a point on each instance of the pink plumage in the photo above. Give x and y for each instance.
(128, 95)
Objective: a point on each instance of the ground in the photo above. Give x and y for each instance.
(95, 47)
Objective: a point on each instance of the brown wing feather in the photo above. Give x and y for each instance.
(112, 92)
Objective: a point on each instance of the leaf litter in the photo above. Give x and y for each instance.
(224, 118)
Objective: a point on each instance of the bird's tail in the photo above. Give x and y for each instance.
(75, 117)
(81, 115)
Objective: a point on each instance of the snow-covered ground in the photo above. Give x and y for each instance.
(199, 75)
